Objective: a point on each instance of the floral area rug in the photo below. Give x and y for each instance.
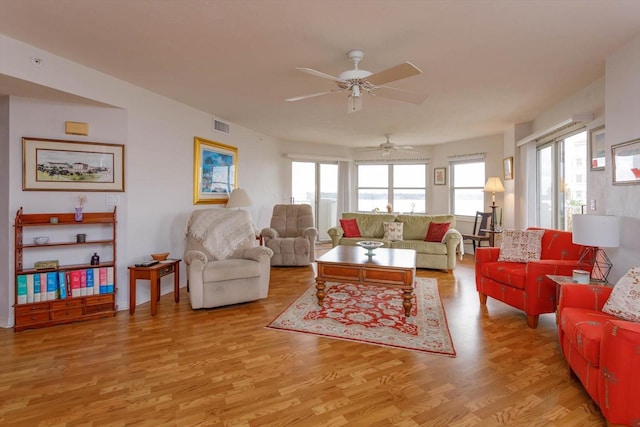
(373, 315)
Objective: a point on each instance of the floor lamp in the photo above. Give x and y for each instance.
(493, 186)
(596, 232)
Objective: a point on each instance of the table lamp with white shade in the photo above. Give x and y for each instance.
(596, 232)
(239, 198)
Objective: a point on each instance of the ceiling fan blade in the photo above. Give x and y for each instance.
(398, 72)
(400, 94)
(313, 95)
(320, 74)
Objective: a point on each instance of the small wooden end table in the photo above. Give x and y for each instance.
(560, 280)
(391, 268)
(492, 235)
(153, 274)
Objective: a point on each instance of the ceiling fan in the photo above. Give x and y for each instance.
(388, 147)
(358, 81)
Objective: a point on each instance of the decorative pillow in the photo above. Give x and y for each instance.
(521, 245)
(436, 231)
(350, 227)
(624, 301)
(393, 230)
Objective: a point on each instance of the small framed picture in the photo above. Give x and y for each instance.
(440, 176)
(507, 166)
(626, 162)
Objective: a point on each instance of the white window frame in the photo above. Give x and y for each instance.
(390, 184)
(453, 187)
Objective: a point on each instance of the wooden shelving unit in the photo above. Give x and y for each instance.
(70, 309)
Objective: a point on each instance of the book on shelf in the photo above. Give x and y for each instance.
(83, 283)
(110, 280)
(74, 278)
(103, 280)
(62, 284)
(37, 295)
(22, 289)
(52, 285)
(43, 287)
(30, 288)
(90, 287)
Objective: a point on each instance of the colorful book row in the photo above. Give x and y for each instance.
(54, 285)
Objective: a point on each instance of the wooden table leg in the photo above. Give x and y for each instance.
(132, 291)
(176, 283)
(407, 296)
(320, 291)
(154, 285)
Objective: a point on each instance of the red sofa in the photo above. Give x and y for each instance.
(602, 351)
(525, 285)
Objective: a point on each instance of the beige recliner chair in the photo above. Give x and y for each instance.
(292, 235)
(224, 265)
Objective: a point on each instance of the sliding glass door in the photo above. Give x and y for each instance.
(561, 180)
(317, 184)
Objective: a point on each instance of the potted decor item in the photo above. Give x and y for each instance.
(82, 199)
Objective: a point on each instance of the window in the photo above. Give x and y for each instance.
(561, 169)
(467, 188)
(404, 186)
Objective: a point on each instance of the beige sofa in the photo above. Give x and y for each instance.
(434, 255)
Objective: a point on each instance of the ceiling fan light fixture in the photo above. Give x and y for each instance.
(354, 102)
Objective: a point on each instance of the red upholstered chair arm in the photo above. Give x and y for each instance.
(487, 255)
(590, 297)
(619, 382)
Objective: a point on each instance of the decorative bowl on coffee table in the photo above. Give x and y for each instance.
(370, 246)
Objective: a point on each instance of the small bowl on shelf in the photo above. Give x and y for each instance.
(160, 257)
(42, 240)
(370, 246)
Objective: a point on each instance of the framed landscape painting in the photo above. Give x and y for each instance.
(59, 165)
(215, 171)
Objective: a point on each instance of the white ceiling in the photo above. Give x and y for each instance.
(486, 64)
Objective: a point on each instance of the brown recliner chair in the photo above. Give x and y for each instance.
(291, 236)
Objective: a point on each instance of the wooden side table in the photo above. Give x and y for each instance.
(560, 280)
(492, 235)
(153, 274)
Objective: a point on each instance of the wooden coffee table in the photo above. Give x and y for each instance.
(391, 268)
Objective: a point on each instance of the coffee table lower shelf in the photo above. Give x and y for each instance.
(391, 268)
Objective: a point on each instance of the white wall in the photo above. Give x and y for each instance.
(6, 235)
(589, 100)
(615, 102)
(622, 124)
(158, 134)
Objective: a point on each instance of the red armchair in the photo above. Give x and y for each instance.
(525, 285)
(602, 351)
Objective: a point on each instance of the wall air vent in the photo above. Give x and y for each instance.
(221, 126)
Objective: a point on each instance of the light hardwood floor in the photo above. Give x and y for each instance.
(223, 367)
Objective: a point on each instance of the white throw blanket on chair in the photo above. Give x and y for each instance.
(221, 231)
(460, 245)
